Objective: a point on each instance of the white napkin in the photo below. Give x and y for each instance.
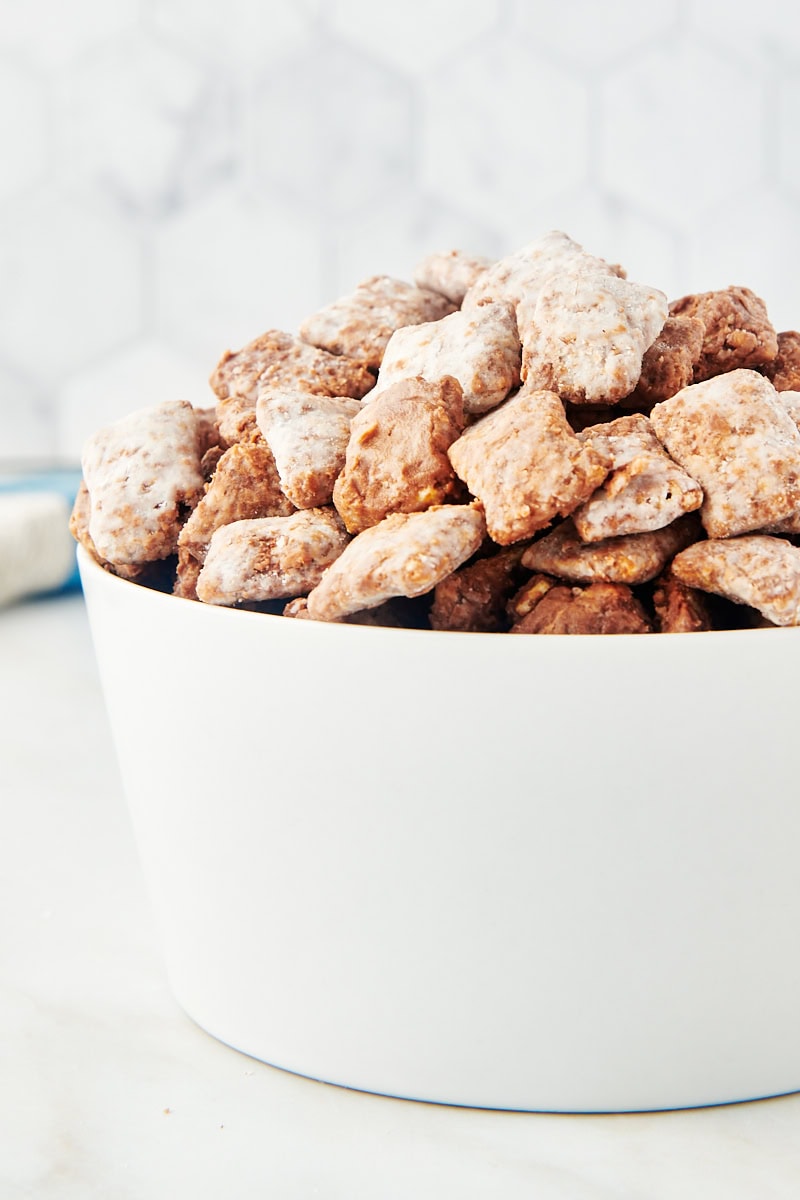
(37, 552)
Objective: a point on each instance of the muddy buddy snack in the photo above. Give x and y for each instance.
(735, 438)
(148, 573)
(452, 274)
(244, 485)
(518, 278)
(679, 608)
(396, 459)
(645, 489)
(475, 598)
(308, 438)
(273, 362)
(668, 364)
(585, 335)
(599, 608)
(479, 347)
(359, 326)
(538, 445)
(526, 466)
(632, 558)
(407, 554)
(143, 478)
(736, 330)
(784, 370)
(760, 571)
(270, 558)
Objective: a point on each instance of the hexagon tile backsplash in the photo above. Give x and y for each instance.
(178, 175)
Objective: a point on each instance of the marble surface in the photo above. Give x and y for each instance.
(107, 1089)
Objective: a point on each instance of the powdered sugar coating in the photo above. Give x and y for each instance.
(396, 458)
(479, 347)
(526, 465)
(631, 559)
(360, 325)
(451, 273)
(407, 554)
(758, 570)
(584, 335)
(733, 435)
(273, 362)
(522, 274)
(244, 486)
(79, 528)
(308, 437)
(270, 558)
(143, 476)
(646, 489)
(790, 400)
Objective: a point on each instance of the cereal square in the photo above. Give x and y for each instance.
(144, 478)
(245, 485)
(186, 575)
(668, 365)
(528, 596)
(738, 332)
(79, 528)
(522, 274)
(451, 274)
(631, 559)
(308, 437)
(407, 554)
(733, 435)
(584, 335)
(479, 347)
(474, 598)
(760, 571)
(277, 361)
(359, 325)
(678, 607)
(601, 608)
(396, 458)
(784, 370)
(270, 558)
(646, 489)
(526, 466)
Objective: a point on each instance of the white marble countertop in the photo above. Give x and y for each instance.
(107, 1089)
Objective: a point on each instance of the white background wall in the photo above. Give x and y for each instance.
(178, 175)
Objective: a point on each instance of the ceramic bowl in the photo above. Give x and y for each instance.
(541, 873)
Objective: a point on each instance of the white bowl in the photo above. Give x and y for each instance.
(554, 873)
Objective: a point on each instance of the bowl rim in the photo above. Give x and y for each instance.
(89, 565)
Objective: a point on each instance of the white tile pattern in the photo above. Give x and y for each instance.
(24, 128)
(681, 128)
(143, 127)
(178, 175)
(503, 129)
(71, 285)
(226, 269)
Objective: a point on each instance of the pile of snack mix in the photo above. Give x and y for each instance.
(534, 445)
